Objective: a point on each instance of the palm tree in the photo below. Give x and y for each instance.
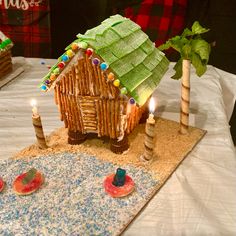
(193, 50)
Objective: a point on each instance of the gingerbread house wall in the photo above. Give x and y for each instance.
(5, 62)
(89, 103)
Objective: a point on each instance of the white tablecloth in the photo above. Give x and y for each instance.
(199, 198)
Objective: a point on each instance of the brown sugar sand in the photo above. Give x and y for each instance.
(171, 147)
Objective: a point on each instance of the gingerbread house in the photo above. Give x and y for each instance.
(5, 55)
(104, 79)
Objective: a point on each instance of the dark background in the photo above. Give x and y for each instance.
(67, 20)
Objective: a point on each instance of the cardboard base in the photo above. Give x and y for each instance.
(171, 148)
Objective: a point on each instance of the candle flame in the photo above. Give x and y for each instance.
(33, 103)
(152, 105)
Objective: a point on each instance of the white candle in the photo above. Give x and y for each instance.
(34, 107)
(36, 120)
(151, 110)
(149, 133)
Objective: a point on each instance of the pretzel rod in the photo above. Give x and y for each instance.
(91, 76)
(65, 111)
(78, 78)
(81, 73)
(98, 118)
(80, 115)
(86, 77)
(104, 93)
(98, 81)
(70, 82)
(113, 124)
(102, 118)
(117, 116)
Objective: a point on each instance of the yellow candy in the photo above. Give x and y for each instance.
(74, 46)
(116, 83)
(111, 76)
(70, 53)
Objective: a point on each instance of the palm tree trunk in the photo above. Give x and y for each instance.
(185, 97)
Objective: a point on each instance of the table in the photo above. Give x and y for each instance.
(199, 198)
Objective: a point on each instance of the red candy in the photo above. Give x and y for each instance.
(118, 191)
(2, 184)
(61, 65)
(25, 189)
(89, 51)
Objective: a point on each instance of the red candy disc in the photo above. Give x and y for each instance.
(26, 189)
(2, 184)
(118, 191)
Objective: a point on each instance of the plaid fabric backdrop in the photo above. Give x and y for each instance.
(160, 19)
(27, 23)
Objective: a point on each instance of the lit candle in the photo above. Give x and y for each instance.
(36, 120)
(149, 133)
(34, 107)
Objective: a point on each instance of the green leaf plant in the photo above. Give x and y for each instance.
(192, 47)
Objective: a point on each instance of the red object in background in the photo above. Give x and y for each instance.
(160, 19)
(27, 24)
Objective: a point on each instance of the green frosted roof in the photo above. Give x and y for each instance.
(130, 54)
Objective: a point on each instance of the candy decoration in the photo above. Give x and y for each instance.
(89, 51)
(96, 61)
(28, 182)
(53, 77)
(82, 45)
(47, 81)
(123, 91)
(65, 58)
(70, 53)
(111, 76)
(44, 87)
(56, 71)
(118, 191)
(5, 43)
(2, 184)
(116, 83)
(103, 66)
(74, 46)
(119, 178)
(8, 41)
(132, 101)
(61, 65)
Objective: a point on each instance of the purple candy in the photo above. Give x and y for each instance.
(96, 61)
(132, 101)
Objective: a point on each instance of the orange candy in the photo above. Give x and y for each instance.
(111, 76)
(74, 46)
(52, 77)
